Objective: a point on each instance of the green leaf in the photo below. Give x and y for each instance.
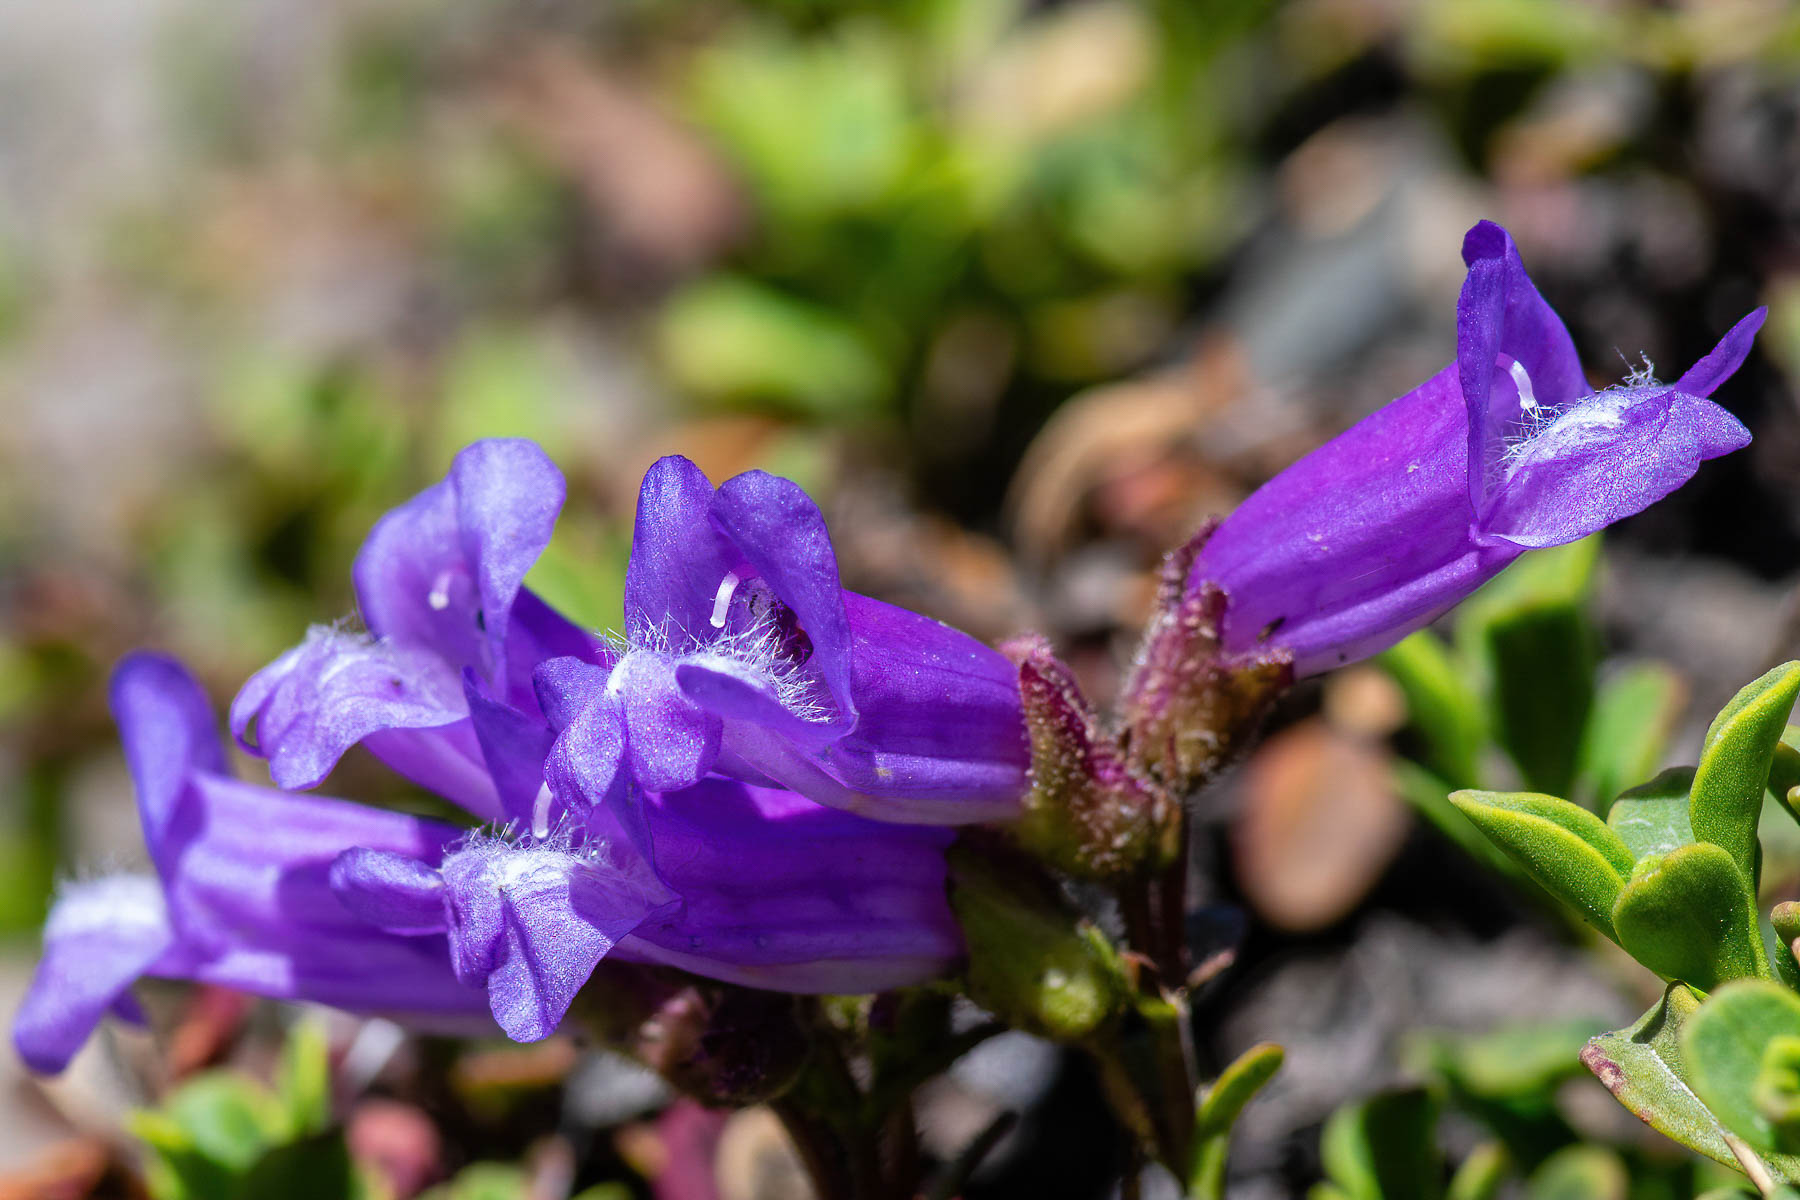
(1031, 959)
(304, 1082)
(483, 1181)
(741, 342)
(229, 1119)
(1776, 1091)
(308, 1169)
(1440, 704)
(1481, 1174)
(1634, 713)
(1580, 1173)
(1726, 1044)
(1735, 758)
(1689, 915)
(1223, 1102)
(176, 1169)
(1652, 818)
(1384, 1148)
(1647, 1070)
(1519, 1062)
(1784, 770)
(1530, 628)
(1429, 797)
(1566, 848)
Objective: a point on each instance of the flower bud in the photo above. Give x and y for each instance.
(1087, 813)
(1189, 705)
(1034, 961)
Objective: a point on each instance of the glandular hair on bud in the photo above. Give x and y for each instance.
(1087, 813)
(1189, 707)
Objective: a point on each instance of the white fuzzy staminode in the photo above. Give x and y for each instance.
(755, 650)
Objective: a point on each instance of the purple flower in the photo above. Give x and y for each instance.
(744, 656)
(1384, 528)
(752, 885)
(241, 894)
(303, 897)
(440, 687)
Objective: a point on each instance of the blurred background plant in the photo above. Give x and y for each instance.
(1022, 291)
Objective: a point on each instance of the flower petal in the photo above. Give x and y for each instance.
(677, 559)
(536, 634)
(168, 729)
(1611, 457)
(1704, 377)
(336, 689)
(514, 746)
(779, 892)
(588, 769)
(1360, 542)
(1501, 320)
(782, 536)
(533, 922)
(389, 891)
(566, 685)
(101, 936)
(441, 572)
(672, 740)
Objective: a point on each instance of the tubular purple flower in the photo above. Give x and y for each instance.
(440, 686)
(241, 895)
(751, 885)
(744, 656)
(1386, 527)
(309, 898)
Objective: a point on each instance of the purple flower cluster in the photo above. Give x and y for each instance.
(756, 783)
(758, 779)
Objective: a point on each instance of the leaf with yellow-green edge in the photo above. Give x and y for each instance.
(1728, 1046)
(1689, 915)
(1652, 818)
(1219, 1111)
(1563, 846)
(1726, 799)
(1646, 1070)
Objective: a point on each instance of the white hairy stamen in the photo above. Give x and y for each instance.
(722, 600)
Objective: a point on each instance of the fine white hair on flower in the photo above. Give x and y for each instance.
(568, 840)
(1559, 428)
(757, 649)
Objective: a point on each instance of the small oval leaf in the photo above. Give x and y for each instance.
(1652, 818)
(1727, 795)
(1566, 848)
(1645, 1069)
(1689, 915)
(1724, 1046)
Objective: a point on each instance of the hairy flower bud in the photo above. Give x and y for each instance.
(1088, 813)
(1189, 704)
